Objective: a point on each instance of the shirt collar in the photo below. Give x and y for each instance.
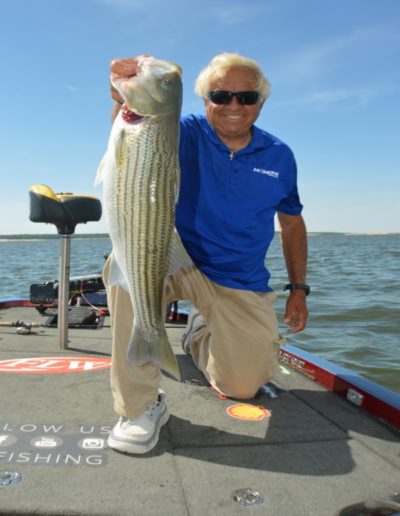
(257, 141)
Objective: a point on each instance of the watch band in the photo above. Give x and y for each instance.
(298, 286)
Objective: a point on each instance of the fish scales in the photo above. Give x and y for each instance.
(154, 227)
(140, 172)
(146, 219)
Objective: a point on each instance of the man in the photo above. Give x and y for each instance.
(234, 179)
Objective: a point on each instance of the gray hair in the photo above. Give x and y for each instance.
(221, 64)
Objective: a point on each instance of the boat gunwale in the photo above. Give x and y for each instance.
(375, 399)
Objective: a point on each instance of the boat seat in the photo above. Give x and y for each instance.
(65, 210)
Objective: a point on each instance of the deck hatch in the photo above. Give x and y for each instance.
(9, 478)
(248, 496)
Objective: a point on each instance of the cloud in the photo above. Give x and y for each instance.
(124, 4)
(351, 98)
(229, 14)
(343, 71)
(72, 88)
(326, 56)
(360, 97)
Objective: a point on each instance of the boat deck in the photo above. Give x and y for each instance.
(315, 454)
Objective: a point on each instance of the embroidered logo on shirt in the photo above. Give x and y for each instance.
(270, 173)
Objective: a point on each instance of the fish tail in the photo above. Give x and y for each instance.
(144, 348)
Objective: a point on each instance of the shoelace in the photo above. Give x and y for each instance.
(149, 411)
(151, 408)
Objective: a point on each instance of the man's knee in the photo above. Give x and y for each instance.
(241, 388)
(243, 378)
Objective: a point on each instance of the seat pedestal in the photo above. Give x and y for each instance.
(63, 290)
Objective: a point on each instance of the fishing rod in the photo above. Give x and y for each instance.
(23, 328)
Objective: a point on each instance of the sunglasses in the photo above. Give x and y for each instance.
(247, 98)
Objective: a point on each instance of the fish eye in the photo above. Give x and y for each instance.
(165, 83)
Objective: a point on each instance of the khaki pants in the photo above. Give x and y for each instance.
(237, 351)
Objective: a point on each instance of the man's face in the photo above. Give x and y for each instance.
(233, 120)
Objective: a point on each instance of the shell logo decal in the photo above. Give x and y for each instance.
(248, 412)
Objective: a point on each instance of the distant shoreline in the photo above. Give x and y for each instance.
(48, 236)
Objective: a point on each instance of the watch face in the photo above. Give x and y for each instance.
(306, 289)
(298, 286)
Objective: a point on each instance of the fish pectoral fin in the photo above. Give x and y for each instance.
(101, 170)
(114, 154)
(145, 348)
(115, 275)
(179, 258)
(120, 147)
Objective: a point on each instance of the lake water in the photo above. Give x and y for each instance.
(354, 305)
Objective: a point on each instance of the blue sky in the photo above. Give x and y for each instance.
(333, 66)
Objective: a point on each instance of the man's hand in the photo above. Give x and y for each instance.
(123, 69)
(296, 311)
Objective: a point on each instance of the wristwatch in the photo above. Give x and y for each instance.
(298, 286)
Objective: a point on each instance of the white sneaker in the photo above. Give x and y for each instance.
(140, 434)
(195, 322)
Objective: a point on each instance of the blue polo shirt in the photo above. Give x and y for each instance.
(225, 213)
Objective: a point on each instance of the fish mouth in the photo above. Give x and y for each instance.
(130, 117)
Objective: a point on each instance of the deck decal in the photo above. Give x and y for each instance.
(247, 412)
(54, 365)
(53, 445)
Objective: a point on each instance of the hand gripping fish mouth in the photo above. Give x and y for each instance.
(161, 79)
(123, 85)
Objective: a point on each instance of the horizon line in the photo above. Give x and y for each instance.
(313, 232)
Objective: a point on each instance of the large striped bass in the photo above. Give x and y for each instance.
(140, 174)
